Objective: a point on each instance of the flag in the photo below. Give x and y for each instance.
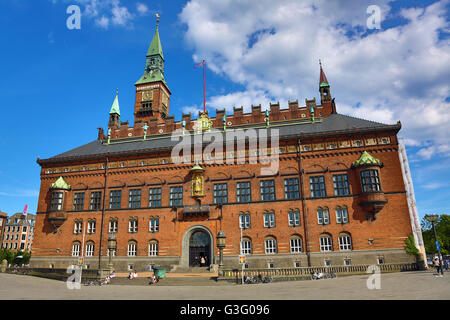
(201, 63)
(25, 210)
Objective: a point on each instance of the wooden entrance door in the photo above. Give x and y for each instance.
(199, 246)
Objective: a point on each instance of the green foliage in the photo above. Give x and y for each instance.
(15, 257)
(443, 234)
(410, 246)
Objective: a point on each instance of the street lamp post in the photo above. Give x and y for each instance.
(221, 245)
(112, 242)
(433, 218)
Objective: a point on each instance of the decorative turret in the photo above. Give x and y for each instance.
(324, 86)
(372, 198)
(152, 92)
(114, 113)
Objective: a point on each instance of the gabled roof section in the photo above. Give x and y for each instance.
(365, 160)
(60, 184)
(333, 125)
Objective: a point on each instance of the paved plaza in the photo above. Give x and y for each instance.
(400, 285)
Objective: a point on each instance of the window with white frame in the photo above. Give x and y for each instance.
(89, 249)
(153, 248)
(270, 245)
(91, 226)
(133, 225)
(294, 218)
(341, 215)
(323, 216)
(246, 246)
(326, 243)
(269, 220)
(78, 226)
(244, 221)
(113, 224)
(76, 248)
(296, 244)
(154, 225)
(56, 201)
(345, 242)
(132, 248)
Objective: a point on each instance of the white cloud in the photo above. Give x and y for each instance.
(103, 22)
(142, 8)
(272, 48)
(120, 15)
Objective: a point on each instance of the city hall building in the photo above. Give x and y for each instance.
(336, 195)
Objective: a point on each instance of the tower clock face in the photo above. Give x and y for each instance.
(147, 95)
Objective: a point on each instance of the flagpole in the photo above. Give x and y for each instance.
(204, 88)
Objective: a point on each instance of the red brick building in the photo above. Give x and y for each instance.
(18, 232)
(338, 197)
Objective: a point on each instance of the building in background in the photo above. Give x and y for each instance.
(338, 197)
(3, 217)
(19, 232)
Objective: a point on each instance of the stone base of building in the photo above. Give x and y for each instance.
(317, 259)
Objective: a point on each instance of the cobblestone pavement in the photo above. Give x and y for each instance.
(406, 285)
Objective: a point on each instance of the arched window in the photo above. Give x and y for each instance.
(76, 248)
(153, 248)
(246, 245)
(91, 226)
(244, 220)
(326, 243)
(296, 244)
(132, 248)
(90, 246)
(345, 241)
(270, 244)
(323, 216)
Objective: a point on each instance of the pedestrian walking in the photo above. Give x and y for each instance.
(437, 265)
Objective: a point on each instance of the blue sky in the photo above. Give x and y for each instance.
(57, 85)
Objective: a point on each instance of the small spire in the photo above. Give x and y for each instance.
(323, 78)
(115, 106)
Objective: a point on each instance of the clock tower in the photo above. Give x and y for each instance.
(152, 92)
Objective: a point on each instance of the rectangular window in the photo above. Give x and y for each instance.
(323, 216)
(154, 197)
(269, 220)
(115, 197)
(78, 201)
(325, 244)
(113, 226)
(291, 189)
(220, 193)
(270, 246)
(154, 225)
(176, 196)
(244, 221)
(294, 218)
(24, 229)
(76, 250)
(340, 184)
(345, 242)
(56, 201)
(134, 198)
(132, 225)
(132, 249)
(246, 247)
(370, 181)
(243, 192)
(91, 227)
(267, 188)
(342, 215)
(296, 245)
(89, 250)
(317, 186)
(96, 198)
(153, 248)
(78, 227)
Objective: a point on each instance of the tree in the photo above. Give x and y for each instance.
(410, 245)
(443, 234)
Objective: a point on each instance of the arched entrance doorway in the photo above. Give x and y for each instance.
(199, 247)
(198, 244)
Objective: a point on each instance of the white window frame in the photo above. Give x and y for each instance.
(294, 218)
(153, 225)
(76, 249)
(90, 247)
(341, 215)
(153, 248)
(78, 227)
(269, 220)
(132, 225)
(326, 243)
(345, 242)
(132, 249)
(244, 221)
(296, 244)
(113, 226)
(246, 247)
(91, 227)
(323, 216)
(270, 246)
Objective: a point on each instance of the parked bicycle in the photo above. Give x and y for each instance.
(321, 275)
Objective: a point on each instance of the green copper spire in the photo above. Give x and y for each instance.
(154, 66)
(115, 106)
(366, 159)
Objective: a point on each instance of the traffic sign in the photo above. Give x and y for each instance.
(242, 259)
(438, 246)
